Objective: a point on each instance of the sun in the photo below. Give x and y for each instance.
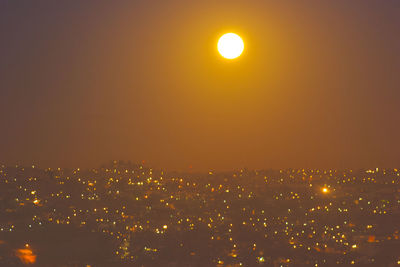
(230, 45)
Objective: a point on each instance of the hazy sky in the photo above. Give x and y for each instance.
(85, 82)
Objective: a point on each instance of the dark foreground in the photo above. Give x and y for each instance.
(127, 215)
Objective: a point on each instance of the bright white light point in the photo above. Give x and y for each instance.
(325, 190)
(230, 45)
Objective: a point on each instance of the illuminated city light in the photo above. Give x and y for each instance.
(26, 255)
(175, 196)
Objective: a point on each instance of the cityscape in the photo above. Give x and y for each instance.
(206, 133)
(125, 214)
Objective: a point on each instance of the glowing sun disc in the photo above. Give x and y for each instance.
(230, 45)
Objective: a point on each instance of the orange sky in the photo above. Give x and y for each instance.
(84, 83)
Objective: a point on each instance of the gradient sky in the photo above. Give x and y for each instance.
(85, 82)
